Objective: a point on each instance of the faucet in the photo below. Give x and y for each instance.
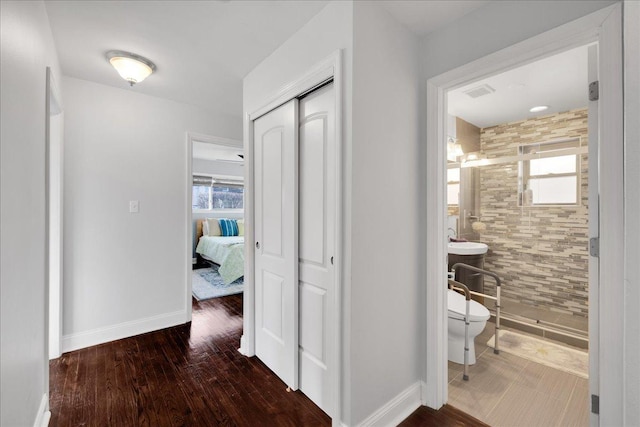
(453, 233)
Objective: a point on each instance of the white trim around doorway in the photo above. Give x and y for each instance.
(329, 68)
(603, 27)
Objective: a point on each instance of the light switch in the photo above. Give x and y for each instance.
(133, 206)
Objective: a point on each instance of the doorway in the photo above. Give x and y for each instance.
(602, 27)
(518, 188)
(215, 188)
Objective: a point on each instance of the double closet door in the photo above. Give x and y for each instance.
(295, 221)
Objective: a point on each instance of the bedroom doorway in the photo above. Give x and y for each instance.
(215, 219)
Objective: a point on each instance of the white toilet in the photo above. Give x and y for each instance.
(478, 316)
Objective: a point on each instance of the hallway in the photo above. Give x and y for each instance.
(186, 375)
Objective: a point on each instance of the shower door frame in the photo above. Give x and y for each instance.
(605, 28)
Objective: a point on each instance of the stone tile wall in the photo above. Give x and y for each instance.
(541, 252)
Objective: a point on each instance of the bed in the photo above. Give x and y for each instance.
(227, 252)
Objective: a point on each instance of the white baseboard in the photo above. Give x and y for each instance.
(397, 409)
(44, 415)
(122, 330)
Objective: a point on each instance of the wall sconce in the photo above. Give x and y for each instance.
(131, 67)
(454, 150)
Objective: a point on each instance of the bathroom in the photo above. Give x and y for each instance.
(517, 184)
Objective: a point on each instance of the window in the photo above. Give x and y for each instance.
(210, 193)
(551, 179)
(453, 186)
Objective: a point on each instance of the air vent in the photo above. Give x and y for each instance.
(479, 91)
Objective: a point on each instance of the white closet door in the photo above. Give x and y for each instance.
(317, 235)
(276, 231)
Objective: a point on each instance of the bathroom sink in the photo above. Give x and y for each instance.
(467, 248)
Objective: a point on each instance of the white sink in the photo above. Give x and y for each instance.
(467, 248)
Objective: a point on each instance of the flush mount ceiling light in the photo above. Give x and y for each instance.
(131, 67)
(538, 108)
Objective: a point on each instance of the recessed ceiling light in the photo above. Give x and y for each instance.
(538, 108)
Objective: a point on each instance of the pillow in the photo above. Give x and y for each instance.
(240, 223)
(214, 227)
(228, 227)
(205, 228)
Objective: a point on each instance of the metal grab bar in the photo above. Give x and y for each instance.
(467, 296)
(496, 345)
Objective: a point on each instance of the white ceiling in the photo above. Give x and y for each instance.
(202, 49)
(207, 151)
(559, 81)
(425, 16)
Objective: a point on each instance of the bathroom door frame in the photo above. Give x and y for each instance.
(605, 28)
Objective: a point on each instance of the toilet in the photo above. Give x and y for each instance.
(478, 316)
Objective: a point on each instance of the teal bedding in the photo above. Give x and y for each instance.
(228, 252)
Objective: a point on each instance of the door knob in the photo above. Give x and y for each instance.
(257, 245)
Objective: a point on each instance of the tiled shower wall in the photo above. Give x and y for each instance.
(540, 253)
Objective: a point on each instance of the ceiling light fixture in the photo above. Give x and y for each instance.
(538, 108)
(131, 67)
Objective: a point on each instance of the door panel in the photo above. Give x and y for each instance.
(313, 188)
(271, 199)
(317, 236)
(276, 233)
(272, 305)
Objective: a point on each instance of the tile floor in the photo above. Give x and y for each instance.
(506, 390)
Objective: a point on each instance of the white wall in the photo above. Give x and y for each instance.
(502, 24)
(386, 243)
(214, 167)
(631, 210)
(26, 50)
(331, 29)
(125, 273)
(495, 26)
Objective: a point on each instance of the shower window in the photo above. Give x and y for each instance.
(551, 179)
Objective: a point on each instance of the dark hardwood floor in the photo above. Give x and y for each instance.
(447, 416)
(189, 375)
